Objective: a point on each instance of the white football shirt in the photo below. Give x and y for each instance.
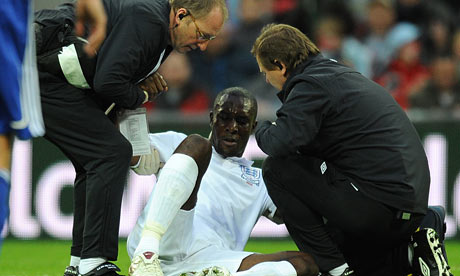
(231, 199)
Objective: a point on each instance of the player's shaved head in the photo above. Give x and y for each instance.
(233, 119)
(250, 102)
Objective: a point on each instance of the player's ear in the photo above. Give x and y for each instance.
(211, 123)
(211, 115)
(254, 127)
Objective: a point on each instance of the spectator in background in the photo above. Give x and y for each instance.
(228, 58)
(383, 30)
(414, 11)
(183, 93)
(333, 43)
(442, 91)
(438, 30)
(329, 37)
(293, 12)
(359, 10)
(253, 15)
(406, 73)
(381, 19)
(456, 51)
(228, 61)
(210, 68)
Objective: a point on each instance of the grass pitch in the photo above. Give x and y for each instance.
(50, 257)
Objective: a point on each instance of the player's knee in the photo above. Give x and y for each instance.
(197, 147)
(304, 265)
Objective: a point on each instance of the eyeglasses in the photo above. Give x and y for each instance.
(199, 34)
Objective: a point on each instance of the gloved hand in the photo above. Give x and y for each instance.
(148, 164)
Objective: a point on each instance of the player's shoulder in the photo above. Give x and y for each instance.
(172, 135)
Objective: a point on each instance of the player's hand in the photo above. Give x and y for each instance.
(148, 164)
(91, 11)
(154, 85)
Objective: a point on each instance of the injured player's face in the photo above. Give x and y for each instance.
(232, 123)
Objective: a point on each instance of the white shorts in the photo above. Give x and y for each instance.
(180, 253)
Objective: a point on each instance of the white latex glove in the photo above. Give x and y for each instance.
(148, 164)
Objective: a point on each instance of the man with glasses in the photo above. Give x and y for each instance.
(78, 90)
(199, 34)
(20, 109)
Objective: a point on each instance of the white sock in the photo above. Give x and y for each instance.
(86, 265)
(174, 186)
(74, 261)
(338, 270)
(146, 244)
(282, 268)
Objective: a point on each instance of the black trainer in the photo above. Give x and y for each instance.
(348, 272)
(435, 218)
(428, 255)
(71, 271)
(105, 269)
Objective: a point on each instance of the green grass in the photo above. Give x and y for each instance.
(49, 257)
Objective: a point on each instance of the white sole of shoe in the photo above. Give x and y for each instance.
(441, 263)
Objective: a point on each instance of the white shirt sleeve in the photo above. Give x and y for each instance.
(166, 143)
(269, 207)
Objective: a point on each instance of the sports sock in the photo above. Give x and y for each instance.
(74, 261)
(174, 186)
(338, 270)
(4, 194)
(282, 268)
(147, 244)
(86, 265)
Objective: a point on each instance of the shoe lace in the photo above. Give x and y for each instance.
(139, 264)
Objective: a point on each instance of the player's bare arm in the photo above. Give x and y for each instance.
(91, 11)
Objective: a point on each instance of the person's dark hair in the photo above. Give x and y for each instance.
(241, 92)
(200, 8)
(282, 43)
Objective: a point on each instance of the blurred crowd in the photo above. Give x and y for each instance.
(411, 47)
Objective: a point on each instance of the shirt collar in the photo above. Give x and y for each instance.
(239, 160)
